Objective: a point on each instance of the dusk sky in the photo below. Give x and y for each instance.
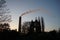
(49, 10)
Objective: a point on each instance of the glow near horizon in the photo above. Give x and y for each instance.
(51, 19)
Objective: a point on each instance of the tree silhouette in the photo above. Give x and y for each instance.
(25, 27)
(4, 26)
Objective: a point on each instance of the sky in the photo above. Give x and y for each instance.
(49, 10)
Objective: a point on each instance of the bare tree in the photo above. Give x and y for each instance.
(4, 16)
(25, 27)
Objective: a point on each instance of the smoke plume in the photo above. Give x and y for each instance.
(29, 11)
(35, 10)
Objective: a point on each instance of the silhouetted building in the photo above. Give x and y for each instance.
(35, 26)
(31, 27)
(38, 25)
(19, 28)
(42, 23)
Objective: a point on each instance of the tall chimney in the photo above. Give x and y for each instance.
(42, 23)
(19, 28)
(39, 24)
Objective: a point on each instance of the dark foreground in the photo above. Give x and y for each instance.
(14, 35)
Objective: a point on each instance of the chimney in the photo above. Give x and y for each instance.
(42, 23)
(19, 28)
(39, 22)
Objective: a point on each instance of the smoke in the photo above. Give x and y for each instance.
(35, 10)
(30, 11)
